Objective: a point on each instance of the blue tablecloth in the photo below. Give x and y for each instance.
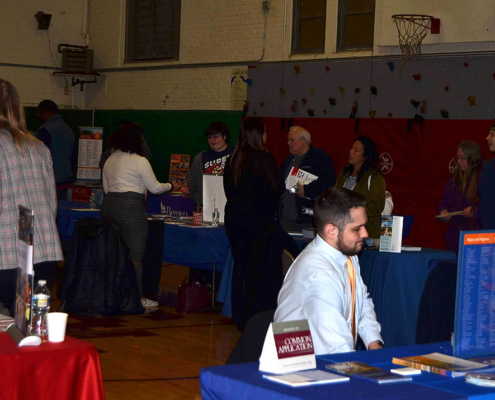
(245, 381)
(395, 282)
(68, 214)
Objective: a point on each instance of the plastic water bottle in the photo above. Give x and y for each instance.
(41, 307)
(92, 201)
(215, 217)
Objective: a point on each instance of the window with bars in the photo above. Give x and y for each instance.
(309, 20)
(356, 24)
(153, 30)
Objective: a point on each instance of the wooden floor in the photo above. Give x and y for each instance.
(157, 355)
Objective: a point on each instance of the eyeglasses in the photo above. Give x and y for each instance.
(293, 140)
(214, 136)
(460, 158)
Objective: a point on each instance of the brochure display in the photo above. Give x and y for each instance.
(391, 233)
(474, 328)
(20, 329)
(90, 147)
(179, 167)
(288, 347)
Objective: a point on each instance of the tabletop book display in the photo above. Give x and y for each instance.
(365, 371)
(20, 329)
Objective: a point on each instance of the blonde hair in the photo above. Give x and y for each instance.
(12, 114)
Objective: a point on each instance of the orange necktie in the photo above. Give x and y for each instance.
(352, 279)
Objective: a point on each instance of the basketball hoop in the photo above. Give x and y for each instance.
(412, 30)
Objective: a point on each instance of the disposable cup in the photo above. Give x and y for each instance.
(197, 218)
(56, 323)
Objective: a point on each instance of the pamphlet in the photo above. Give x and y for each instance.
(297, 175)
(406, 371)
(288, 347)
(368, 372)
(307, 378)
(24, 270)
(450, 214)
(440, 364)
(474, 333)
(391, 233)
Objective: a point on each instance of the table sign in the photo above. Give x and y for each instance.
(391, 233)
(213, 197)
(474, 327)
(20, 329)
(288, 347)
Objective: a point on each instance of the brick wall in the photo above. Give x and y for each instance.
(26, 58)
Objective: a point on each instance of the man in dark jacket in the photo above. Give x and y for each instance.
(309, 159)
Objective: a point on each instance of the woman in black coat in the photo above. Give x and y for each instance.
(253, 186)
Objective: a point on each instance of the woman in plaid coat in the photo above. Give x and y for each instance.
(26, 178)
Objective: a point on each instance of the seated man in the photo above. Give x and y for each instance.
(324, 284)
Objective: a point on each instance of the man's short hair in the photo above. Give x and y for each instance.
(48, 105)
(334, 206)
(302, 133)
(218, 127)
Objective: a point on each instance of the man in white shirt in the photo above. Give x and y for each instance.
(323, 286)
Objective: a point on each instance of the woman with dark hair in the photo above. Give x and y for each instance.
(362, 175)
(126, 177)
(460, 194)
(253, 187)
(26, 178)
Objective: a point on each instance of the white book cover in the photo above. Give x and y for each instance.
(391, 233)
(307, 378)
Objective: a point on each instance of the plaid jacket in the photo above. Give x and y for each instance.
(26, 178)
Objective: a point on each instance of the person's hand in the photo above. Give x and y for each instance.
(184, 188)
(443, 212)
(175, 186)
(377, 345)
(467, 212)
(300, 193)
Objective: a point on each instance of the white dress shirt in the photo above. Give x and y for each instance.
(125, 172)
(317, 288)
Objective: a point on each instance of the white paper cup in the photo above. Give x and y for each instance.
(56, 323)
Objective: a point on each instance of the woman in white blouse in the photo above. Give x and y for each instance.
(126, 177)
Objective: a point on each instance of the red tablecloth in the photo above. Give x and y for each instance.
(63, 371)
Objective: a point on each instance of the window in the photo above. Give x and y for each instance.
(356, 24)
(308, 33)
(153, 30)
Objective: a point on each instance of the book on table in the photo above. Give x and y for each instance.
(441, 364)
(307, 378)
(368, 372)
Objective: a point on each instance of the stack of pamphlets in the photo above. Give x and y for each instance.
(306, 378)
(365, 371)
(481, 379)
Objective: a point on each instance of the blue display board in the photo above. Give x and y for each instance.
(474, 330)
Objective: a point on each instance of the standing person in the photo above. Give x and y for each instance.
(363, 176)
(253, 187)
(310, 159)
(486, 188)
(324, 284)
(460, 194)
(26, 178)
(126, 176)
(59, 138)
(211, 161)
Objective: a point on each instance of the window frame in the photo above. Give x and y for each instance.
(295, 32)
(341, 19)
(130, 57)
